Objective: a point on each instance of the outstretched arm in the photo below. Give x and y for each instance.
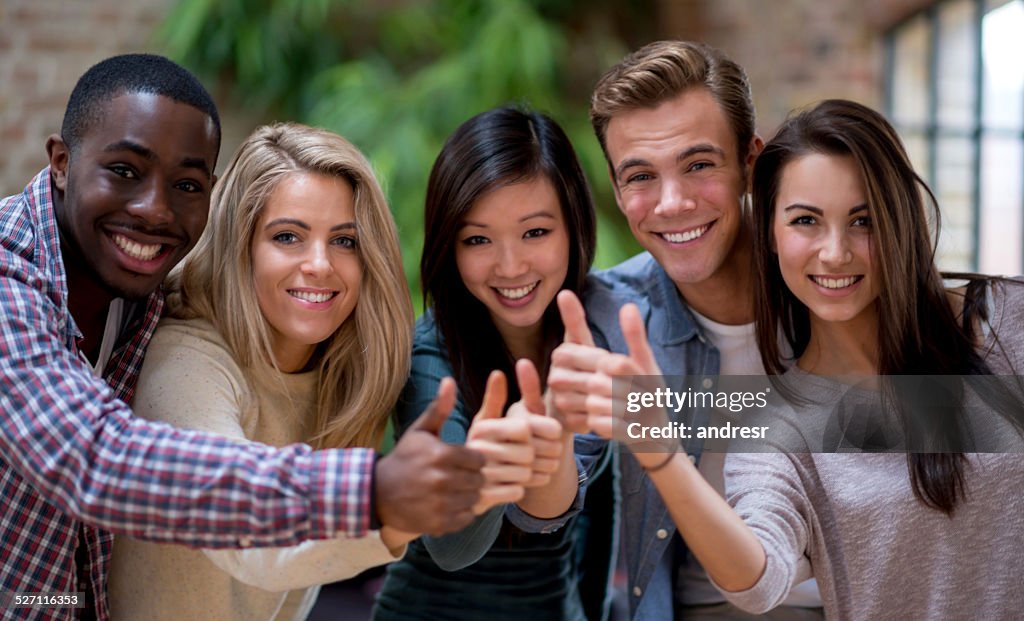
(582, 381)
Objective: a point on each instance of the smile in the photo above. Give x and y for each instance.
(142, 252)
(835, 283)
(517, 293)
(685, 236)
(315, 297)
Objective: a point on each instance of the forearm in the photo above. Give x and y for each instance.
(555, 498)
(462, 549)
(151, 481)
(307, 564)
(726, 547)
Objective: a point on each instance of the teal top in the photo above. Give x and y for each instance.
(489, 570)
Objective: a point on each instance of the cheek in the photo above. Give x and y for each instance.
(470, 266)
(791, 252)
(635, 206)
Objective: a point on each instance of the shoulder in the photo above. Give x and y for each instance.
(17, 234)
(191, 345)
(427, 339)
(1005, 309)
(633, 280)
(637, 273)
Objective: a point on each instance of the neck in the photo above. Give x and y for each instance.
(727, 296)
(88, 301)
(842, 348)
(525, 342)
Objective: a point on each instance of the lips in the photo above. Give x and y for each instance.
(688, 235)
(835, 282)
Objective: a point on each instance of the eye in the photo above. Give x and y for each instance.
(123, 171)
(346, 241)
(539, 232)
(475, 240)
(698, 166)
(639, 178)
(189, 186)
(863, 221)
(803, 220)
(285, 238)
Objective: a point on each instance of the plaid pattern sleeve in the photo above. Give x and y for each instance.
(71, 453)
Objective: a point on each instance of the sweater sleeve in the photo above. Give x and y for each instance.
(192, 383)
(305, 565)
(766, 491)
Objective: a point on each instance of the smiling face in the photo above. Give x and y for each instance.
(305, 263)
(133, 196)
(679, 180)
(512, 252)
(822, 233)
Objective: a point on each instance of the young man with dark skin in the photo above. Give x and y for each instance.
(83, 252)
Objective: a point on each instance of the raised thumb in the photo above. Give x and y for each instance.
(495, 396)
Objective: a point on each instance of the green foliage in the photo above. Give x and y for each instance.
(397, 77)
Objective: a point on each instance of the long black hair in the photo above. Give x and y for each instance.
(491, 150)
(919, 332)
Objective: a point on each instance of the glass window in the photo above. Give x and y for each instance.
(955, 91)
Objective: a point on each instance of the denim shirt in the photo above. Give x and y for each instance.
(680, 349)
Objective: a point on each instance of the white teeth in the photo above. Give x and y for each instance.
(142, 252)
(309, 296)
(685, 236)
(835, 283)
(517, 293)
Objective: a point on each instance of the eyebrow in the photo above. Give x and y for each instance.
(148, 154)
(543, 213)
(819, 211)
(696, 149)
(302, 225)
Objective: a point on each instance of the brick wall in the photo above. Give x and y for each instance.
(45, 45)
(795, 51)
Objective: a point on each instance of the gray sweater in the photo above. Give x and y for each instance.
(851, 520)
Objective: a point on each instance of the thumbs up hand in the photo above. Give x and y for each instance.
(581, 379)
(425, 485)
(505, 443)
(545, 433)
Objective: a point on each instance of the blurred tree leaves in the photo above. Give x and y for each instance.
(397, 77)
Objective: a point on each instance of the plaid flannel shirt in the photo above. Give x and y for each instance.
(74, 461)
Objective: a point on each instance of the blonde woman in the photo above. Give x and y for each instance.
(290, 322)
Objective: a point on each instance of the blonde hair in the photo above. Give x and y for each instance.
(663, 70)
(364, 364)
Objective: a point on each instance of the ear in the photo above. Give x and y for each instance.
(60, 158)
(753, 150)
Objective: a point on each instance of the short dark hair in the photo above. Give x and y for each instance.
(131, 73)
(492, 150)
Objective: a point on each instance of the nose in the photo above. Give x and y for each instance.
(511, 262)
(675, 199)
(152, 205)
(316, 262)
(835, 249)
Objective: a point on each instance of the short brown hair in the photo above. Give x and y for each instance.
(662, 70)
